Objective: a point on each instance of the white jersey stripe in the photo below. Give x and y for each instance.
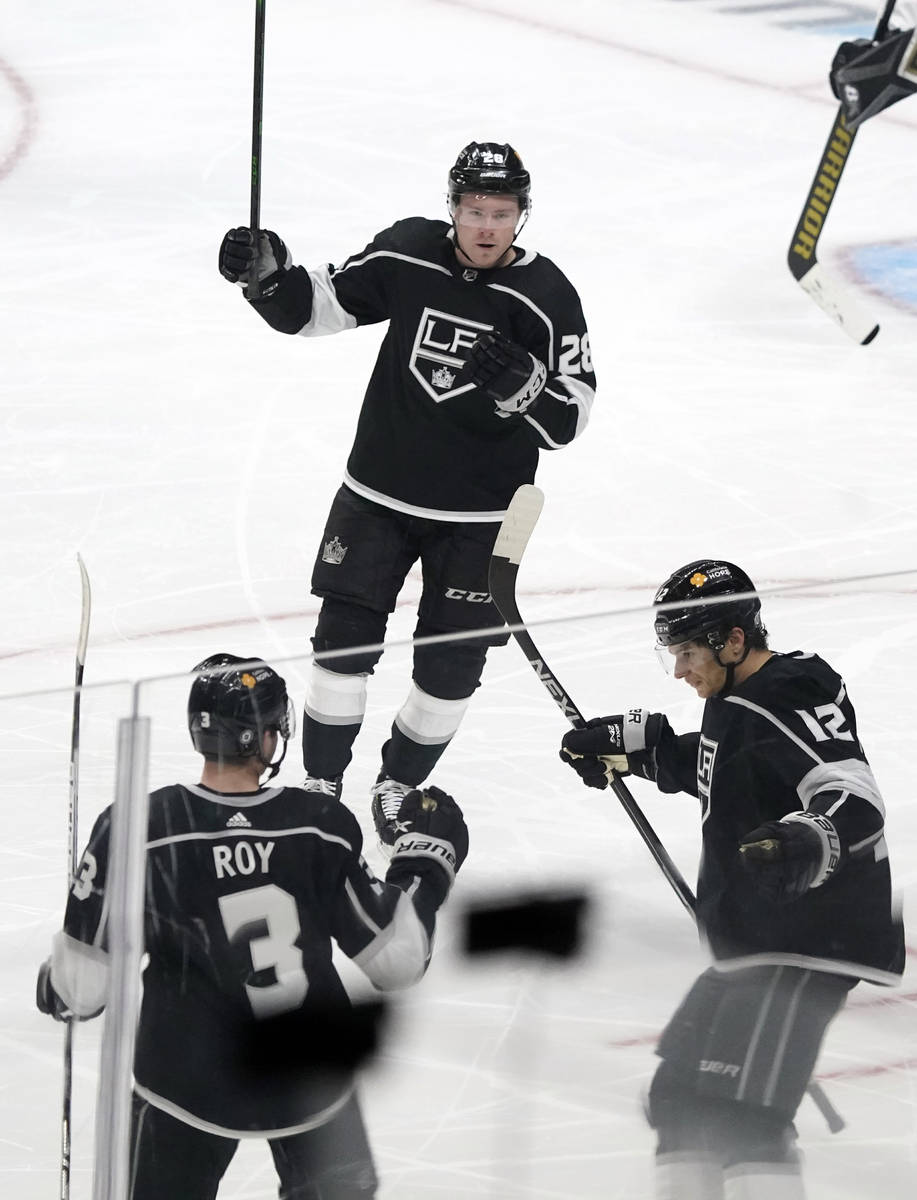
(850, 774)
(432, 514)
(398, 956)
(328, 314)
(828, 966)
(769, 716)
(245, 832)
(189, 1118)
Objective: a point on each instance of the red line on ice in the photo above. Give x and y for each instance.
(29, 119)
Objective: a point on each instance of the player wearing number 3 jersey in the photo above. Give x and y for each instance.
(485, 363)
(247, 887)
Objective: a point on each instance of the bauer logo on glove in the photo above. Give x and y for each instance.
(433, 828)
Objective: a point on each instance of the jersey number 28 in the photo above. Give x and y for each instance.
(575, 355)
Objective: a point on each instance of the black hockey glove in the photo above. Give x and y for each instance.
(237, 255)
(618, 745)
(787, 857)
(47, 999)
(506, 372)
(869, 76)
(432, 830)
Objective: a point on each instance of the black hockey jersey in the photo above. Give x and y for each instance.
(244, 894)
(428, 443)
(782, 741)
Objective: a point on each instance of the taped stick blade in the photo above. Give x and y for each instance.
(521, 518)
(840, 304)
(85, 609)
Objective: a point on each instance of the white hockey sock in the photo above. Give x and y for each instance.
(428, 720)
(333, 699)
(764, 1181)
(686, 1175)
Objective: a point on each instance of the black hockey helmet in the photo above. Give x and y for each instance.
(490, 167)
(232, 703)
(711, 579)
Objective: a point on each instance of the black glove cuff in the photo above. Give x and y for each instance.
(285, 300)
(435, 883)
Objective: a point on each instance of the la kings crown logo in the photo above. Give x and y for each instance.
(334, 551)
(440, 348)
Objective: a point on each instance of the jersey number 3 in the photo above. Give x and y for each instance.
(264, 923)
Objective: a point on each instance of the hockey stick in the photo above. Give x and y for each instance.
(521, 517)
(512, 539)
(254, 220)
(808, 272)
(72, 835)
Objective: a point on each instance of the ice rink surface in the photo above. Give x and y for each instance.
(154, 425)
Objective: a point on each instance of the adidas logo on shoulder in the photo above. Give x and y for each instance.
(238, 821)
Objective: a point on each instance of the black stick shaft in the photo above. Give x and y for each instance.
(618, 786)
(72, 836)
(884, 20)
(802, 255)
(511, 541)
(254, 220)
(835, 154)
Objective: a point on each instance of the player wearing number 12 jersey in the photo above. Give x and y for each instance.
(485, 363)
(793, 892)
(247, 887)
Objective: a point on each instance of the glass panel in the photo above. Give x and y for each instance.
(35, 735)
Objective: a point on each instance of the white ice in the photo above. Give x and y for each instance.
(154, 425)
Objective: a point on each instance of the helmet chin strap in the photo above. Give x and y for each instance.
(273, 767)
(521, 226)
(457, 242)
(730, 669)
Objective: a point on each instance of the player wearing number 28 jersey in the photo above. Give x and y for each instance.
(485, 363)
(247, 887)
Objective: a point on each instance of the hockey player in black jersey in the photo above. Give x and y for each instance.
(247, 885)
(486, 362)
(793, 893)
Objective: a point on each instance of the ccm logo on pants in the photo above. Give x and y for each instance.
(471, 597)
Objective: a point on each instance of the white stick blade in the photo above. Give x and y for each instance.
(85, 607)
(521, 518)
(839, 304)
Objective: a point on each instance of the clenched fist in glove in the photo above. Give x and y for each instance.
(238, 257)
(787, 857)
(868, 76)
(609, 746)
(506, 372)
(431, 828)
